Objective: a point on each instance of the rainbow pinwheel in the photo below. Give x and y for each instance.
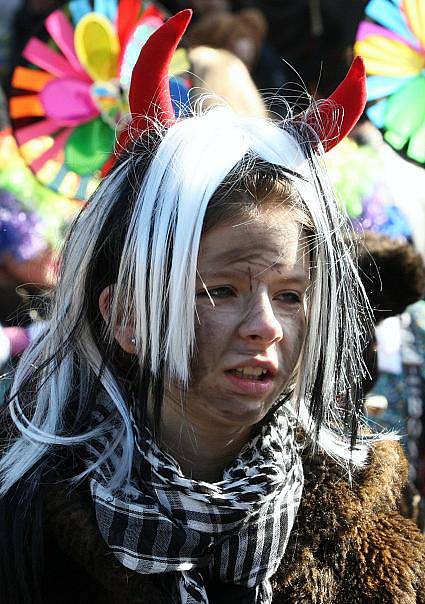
(70, 94)
(358, 175)
(54, 211)
(392, 43)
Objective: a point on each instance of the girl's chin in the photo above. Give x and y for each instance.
(238, 412)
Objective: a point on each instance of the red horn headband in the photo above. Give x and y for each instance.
(350, 97)
(149, 95)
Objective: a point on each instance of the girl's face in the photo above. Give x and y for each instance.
(250, 315)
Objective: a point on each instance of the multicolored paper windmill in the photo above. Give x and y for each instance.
(392, 43)
(358, 175)
(70, 94)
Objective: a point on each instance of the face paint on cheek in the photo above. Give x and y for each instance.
(209, 333)
(296, 345)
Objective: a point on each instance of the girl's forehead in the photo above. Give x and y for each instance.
(269, 239)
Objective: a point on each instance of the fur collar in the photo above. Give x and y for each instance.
(333, 514)
(350, 545)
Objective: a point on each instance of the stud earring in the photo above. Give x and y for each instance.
(133, 341)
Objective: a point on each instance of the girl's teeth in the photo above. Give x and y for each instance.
(251, 371)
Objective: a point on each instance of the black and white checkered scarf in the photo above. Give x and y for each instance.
(232, 531)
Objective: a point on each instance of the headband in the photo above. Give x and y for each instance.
(149, 95)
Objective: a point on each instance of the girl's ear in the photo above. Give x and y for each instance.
(123, 334)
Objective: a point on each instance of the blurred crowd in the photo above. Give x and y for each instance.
(263, 57)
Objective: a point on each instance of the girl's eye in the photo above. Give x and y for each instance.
(218, 292)
(290, 297)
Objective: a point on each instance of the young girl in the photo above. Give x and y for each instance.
(201, 364)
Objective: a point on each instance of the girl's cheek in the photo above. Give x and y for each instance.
(211, 329)
(294, 334)
(216, 317)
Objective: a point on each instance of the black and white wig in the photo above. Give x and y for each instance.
(140, 234)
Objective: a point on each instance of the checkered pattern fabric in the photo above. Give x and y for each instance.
(232, 531)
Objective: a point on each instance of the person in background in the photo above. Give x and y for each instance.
(393, 275)
(241, 33)
(219, 76)
(244, 33)
(310, 34)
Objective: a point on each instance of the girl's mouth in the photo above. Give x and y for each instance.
(250, 380)
(250, 373)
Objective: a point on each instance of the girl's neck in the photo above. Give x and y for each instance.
(202, 451)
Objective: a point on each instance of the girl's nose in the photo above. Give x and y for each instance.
(260, 322)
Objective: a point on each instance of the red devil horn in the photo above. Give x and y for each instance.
(149, 94)
(351, 97)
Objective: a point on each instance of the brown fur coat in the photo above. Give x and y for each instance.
(350, 545)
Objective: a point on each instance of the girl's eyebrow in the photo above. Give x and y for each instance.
(286, 274)
(225, 257)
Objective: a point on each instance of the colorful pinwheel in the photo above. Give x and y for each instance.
(392, 43)
(54, 211)
(71, 94)
(358, 175)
